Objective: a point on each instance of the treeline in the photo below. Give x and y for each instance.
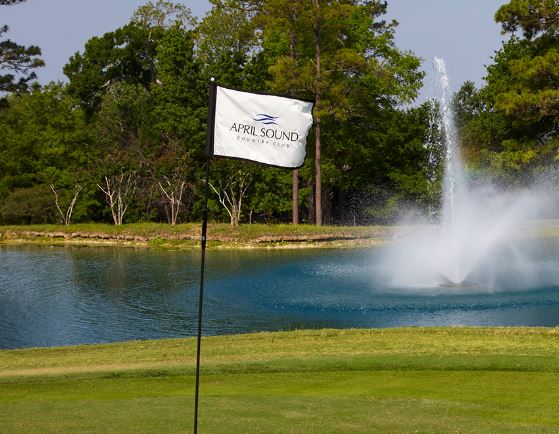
(123, 140)
(509, 128)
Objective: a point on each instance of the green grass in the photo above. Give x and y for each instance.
(158, 235)
(221, 235)
(382, 380)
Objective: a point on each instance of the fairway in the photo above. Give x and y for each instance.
(382, 380)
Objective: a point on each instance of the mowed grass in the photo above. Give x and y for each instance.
(323, 381)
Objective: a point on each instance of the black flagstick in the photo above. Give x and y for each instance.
(209, 153)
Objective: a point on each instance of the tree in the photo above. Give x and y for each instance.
(478, 125)
(533, 17)
(69, 208)
(226, 49)
(119, 189)
(44, 140)
(333, 51)
(180, 98)
(180, 113)
(171, 170)
(230, 182)
(285, 18)
(29, 205)
(163, 14)
(124, 55)
(267, 201)
(20, 61)
(123, 135)
(523, 82)
(127, 54)
(129, 128)
(226, 31)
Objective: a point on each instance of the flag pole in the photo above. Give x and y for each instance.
(209, 153)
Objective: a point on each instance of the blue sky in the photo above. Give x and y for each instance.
(460, 31)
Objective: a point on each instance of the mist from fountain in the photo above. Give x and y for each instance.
(475, 223)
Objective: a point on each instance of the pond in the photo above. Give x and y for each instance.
(52, 296)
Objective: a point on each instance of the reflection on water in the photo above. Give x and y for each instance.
(61, 296)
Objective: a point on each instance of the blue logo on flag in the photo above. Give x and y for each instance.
(266, 119)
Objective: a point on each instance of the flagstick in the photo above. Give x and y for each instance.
(201, 296)
(209, 153)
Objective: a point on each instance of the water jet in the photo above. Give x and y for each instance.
(477, 225)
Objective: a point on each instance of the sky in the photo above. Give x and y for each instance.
(462, 32)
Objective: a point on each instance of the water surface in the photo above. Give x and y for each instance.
(72, 295)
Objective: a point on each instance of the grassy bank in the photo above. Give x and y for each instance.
(188, 235)
(220, 235)
(384, 380)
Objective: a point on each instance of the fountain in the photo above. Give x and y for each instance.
(477, 225)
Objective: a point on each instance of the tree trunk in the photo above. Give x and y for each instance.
(317, 162)
(122, 186)
(295, 198)
(230, 199)
(295, 195)
(174, 197)
(318, 174)
(66, 216)
(311, 210)
(235, 215)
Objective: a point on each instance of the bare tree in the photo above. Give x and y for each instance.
(230, 190)
(120, 130)
(172, 172)
(174, 191)
(66, 215)
(119, 190)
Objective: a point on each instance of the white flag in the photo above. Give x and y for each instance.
(268, 129)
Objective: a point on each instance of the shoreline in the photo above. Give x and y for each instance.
(223, 236)
(220, 236)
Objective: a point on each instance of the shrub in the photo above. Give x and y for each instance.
(28, 206)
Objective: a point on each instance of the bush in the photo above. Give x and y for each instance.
(28, 206)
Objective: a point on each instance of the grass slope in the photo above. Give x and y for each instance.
(220, 235)
(381, 380)
(188, 235)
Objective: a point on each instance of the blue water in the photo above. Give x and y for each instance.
(52, 296)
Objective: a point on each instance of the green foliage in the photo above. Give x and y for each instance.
(127, 54)
(163, 14)
(131, 122)
(509, 127)
(180, 95)
(341, 55)
(28, 206)
(357, 55)
(532, 17)
(269, 198)
(19, 60)
(123, 115)
(44, 139)
(482, 130)
(529, 75)
(227, 30)
(229, 182)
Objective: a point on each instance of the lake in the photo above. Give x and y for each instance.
(51, 296)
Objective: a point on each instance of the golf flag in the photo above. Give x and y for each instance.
(268, 129)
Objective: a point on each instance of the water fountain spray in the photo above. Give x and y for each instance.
(473, 221)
